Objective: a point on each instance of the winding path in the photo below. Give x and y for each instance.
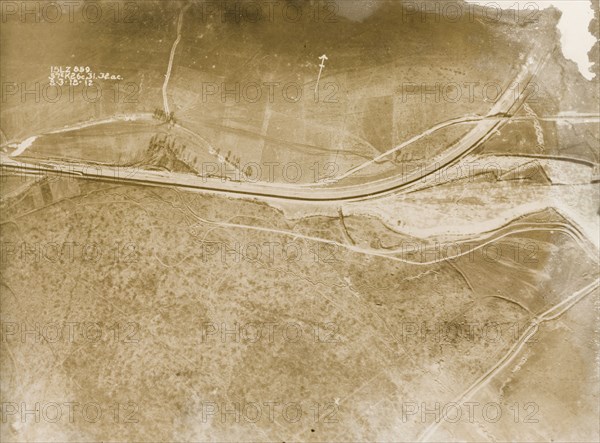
(171, 57)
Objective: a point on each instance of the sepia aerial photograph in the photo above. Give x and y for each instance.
(290, 221)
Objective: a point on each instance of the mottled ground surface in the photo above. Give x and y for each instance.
(167, 275)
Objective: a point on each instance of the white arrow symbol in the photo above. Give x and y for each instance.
(322, 65)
